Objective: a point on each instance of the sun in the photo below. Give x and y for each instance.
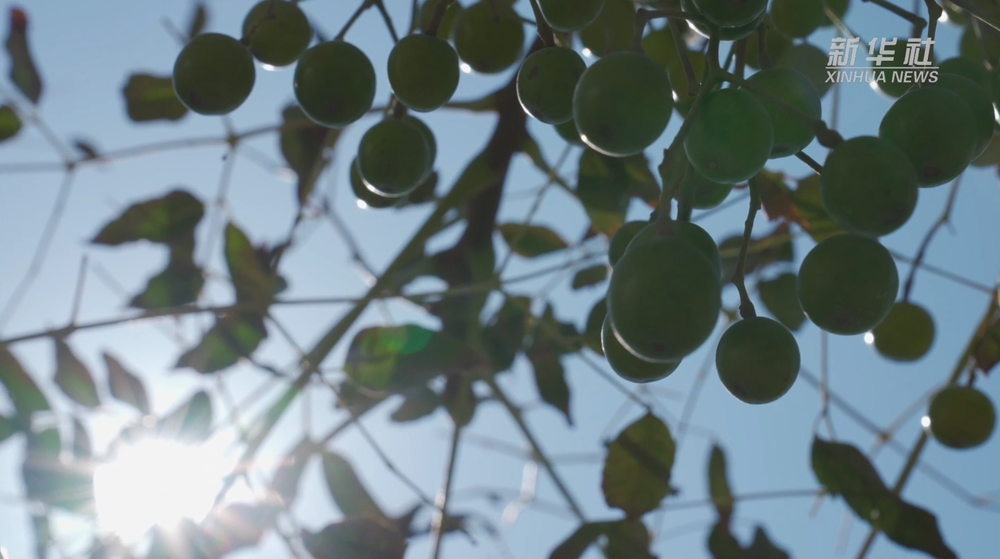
(156, 482)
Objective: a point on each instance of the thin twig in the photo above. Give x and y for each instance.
(945, 219)
(739, 277)
(441, 513)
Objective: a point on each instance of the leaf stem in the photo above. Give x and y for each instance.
(945, 219)
(437, 16)
(354, 17)
(739, 278)
(544, 31)
(441, 515)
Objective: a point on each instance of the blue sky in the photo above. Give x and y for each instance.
(85, 53)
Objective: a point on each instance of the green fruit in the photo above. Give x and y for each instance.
(731, 137)
(214, 74)
(612, 31)
(364, 194)
(393, 157)
(707, 194)
(568, 131)
(962, 417)
(725, 33)
(489, 36)
(990, 156)
(664, 299)
(622, 104)
(848, 284)
(546, 82)
(809, 61)
(423, 72)
(659, 45)
(628, 366)
(621, 239)
(282, 32)
(686, 231)
(890, 88)
(984, 45)
(937, 131)
(979, 103)
(906, 334)
(776, 45)
(798, 18)
(869, 186)
(447, 23)
(570, 16)
(970, 68)
(679, 81)
(429, 138)
(335, 83)
(758, 360)
(791, 135)
(838, 7)
(731, 13)
(595, 326)
(953, 14)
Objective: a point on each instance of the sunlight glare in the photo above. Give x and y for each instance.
(869, 338)
(925, 422)
(465, 68)
(156, 482)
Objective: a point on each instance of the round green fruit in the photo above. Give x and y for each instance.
(962, 417)
(612, 31)
(568, 131)
(707, 194)
(906, 334)
(622, 104)
(621, 239)
(595, 326)
(423, 72)
(731, 13)
(889, 88)
(489, 36)
(808, 60)
(978, 102)
(791, 135)
(628, 366)
(798, 18)
(281, 32)
(731, 137)
(214, 74)
(776, 43)
(428, 137)
(447, 24)
(393, 157)
(848, 284)
(990, 156)
(546, 82)
(660, 46)
(937, 131)
(725, 33)
(758, 360)
(869, 186)
(981, 42)
(365, 194)
(570, 16)
(970, 68)
(664, 299)
(686, 231)
(334, 83)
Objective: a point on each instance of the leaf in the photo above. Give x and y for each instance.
(776, 197)
(86, 149)
(780, 297)
(198, 20)
(234, 527)
(183, 540)
(771, 248)
(24, 393)
(762, 548)
(549, 343)
(357, 538)
(125, 386)
(48, 480)
(531, 241)
(815, 220)
(722, 544)
(169, 219)
(302, 144)
(603, 189)
(398, 358)
(23, 72)
(10, 123)
(150, 98)
(577, 543)
(285, 483)
(914, 528)
(346, 488)
(73, 377)
(986, 352)
(189, 423)
(642, 181)
(8, 428)
(504, 335)
(636, 474)
(179, 284)
(718, 485)
(459, 399)
(628, 539)
(418, 404)
(250, 270)
(81, 441)
(233, 336)
(590, 276)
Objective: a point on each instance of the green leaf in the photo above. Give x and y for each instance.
(986, 352)
(179, 284)
(250, 270)
(191, 422)
(722, 544)
(126, 387)
(577, 543)
(914, 528)
(10, 123)
(762, 548)
(357, 538)
(23, 72)
(285, 483)
(73, 377)
(346, 488)
(637, 469)
(504, 336)
(302, 144)
(718, 484)
(49, 480)
(24, 393)
(549, 343)
(780, 297)
(815, 220)
(8, 428)
(169, 219)
(590, 276)
(776, 197)
(642, 181)
(418, 404)
(198, 20)
(150, 98)
(762, 252)
(233, 336)
(628, 539)
(81, 441)
(459, 399)
(603, 189)
(531, 241)
(397, 358)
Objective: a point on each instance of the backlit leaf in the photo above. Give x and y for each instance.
(178, 284)
(603, 189)
(233, 336)
(531, 241)
(628, 539)
(587, 277)
(125, 386)
(168, 219)
(722, 544)
(551, 339)
(73, 377)
(459, 399)
(198, 20)
(637, 469)
(397, 358)
(418, 404)
(235, 526)
(22, 390)
(249, 269)
(357, 538)
(718, 484)
(23, 72)
(49, 480)
(986, 352)
(302, 144)
(776, 197)
(346, 488)
(285, 483)
(10, 123)
(504, 335)
(577, 543)
(762, 548)
(815, 220)
(150, 98)
(780, 297)
(763, 251)
(191, 422)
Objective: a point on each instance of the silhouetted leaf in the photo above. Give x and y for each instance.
(763, 251)
(815, 219)
(642, 181)
(628, 539)
(8, 427)
(577, 543)
(776, 197)
(590, 276)
(459, 399)
(198, 20)
(180, 283)
(637, 469)
(718, 484)
(914, 528)
(86, 149)
(987, 349)
(550, 341)
(357, 538)
(73, 377)
(125, 386)
(603, 188)
(49, 480)
(235, 526)
(531, 241)
(149, 98)
(762, 548)
(167, 219)
(302, 143)
(81, 441)
(401, 357)
(722, 544)
(417, 404)
(189, 423)
(250, 270)
(22, 390)
(346, 488)
(10, 123)
(504, 335)
(780, 297)
(23, 72)
(233, 336)
(285, 483)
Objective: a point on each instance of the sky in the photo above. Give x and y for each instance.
(85, 51)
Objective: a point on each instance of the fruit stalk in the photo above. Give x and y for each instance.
(945, 219)
(544, 31)
(441, 515)
(354, 17)
(739, 277)
(437, 16)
